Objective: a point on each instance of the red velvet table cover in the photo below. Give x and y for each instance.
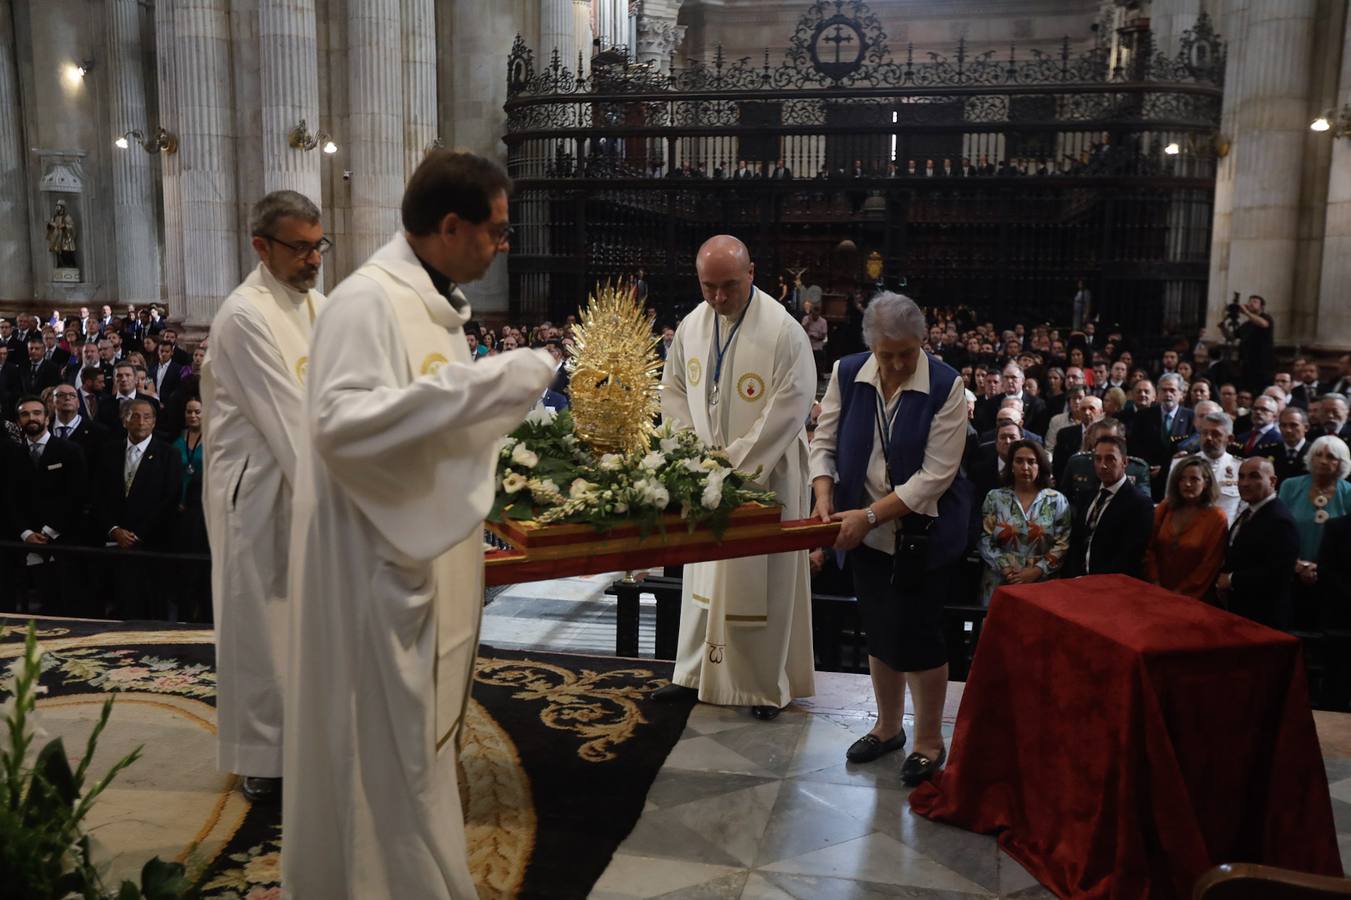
(1123, 739)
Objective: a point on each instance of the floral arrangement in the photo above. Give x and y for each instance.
(546, 474)
(44, 852)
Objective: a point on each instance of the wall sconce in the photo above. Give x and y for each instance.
(302, 139)
(1173, 149)
(161, 140)
(1338, 123)
(74, 72)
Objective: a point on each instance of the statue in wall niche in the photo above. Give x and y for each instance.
(61, 236)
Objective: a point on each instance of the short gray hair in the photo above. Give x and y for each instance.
(1219, 418)
(280, 205)
(1335, 446)
(892, 317)
(1171, 377)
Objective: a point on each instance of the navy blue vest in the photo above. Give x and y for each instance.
(909, 437)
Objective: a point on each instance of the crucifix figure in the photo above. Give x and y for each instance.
(837, 39)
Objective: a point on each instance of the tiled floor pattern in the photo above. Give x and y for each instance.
(770, 810)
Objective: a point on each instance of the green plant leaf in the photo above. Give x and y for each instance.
(520, 512)
(162, 880)
(128, 891)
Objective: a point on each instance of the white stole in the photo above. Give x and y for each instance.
(742, 390)
(733, 591)
(268, 295)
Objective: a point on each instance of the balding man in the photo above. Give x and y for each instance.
(1259, 561)
(1070, 439)
(1264, 434)
(740, 373)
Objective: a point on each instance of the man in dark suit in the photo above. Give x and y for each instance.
(170, 336)
(1264, 433)
(1259, 562)
(1333, 413)
(37, 374)
(780, 172)
(1111, 534)
(1159, 429)
(11, 340)
(136, 491)
(164, 372)
(52, 351)
(1070, 439)
(45, 483)
(1307, 390)
(1287, 457)
(124, 389)
(1034, 408)
(70, 424)
(92, 393)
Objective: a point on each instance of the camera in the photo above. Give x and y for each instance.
(346, 174)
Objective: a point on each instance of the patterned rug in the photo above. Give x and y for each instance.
(558, 757)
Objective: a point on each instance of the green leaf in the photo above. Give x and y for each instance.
(128, 891)
(520, 512)
(162, 880)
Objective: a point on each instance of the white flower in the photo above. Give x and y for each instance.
(608, 495)
(569, 440)
(524, 456)
(541, 415)
(508, 443)
(710, 463)
(669, 444)
(580, 489)
(548, 486)
(692, 465)
(653, 461)
(712, 498)
(611, 462)
(659, 496)
(621, 506)
(513, 482)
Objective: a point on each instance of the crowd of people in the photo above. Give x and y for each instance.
(1051, 414)
(1199, 474)
(103, 421)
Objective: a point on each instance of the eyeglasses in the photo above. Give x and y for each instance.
(302, 251)
(502, 234)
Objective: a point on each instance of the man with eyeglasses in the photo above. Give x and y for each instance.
(137, 483)
(396, 474)
(252, 402)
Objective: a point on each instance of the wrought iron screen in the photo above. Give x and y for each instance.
(988, 179)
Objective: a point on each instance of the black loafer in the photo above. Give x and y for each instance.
(262, 790)
(765, 713)
(871, 747)
(919, 768)
(673, 693)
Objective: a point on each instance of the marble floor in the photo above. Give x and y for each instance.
(770, 810)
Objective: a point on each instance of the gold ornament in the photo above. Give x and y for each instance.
(615, 372)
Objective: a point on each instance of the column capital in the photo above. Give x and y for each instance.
(658, 33)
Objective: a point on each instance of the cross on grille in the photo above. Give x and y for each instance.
(837, 39)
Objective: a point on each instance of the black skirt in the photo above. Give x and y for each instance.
(903, 624)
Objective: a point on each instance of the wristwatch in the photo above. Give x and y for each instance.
(872, 516)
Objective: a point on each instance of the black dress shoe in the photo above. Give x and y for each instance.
(262, 790)
(919, 768)
(674, 693)
(870, 747)
(765, 713)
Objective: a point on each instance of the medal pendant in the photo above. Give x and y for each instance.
(713, 396)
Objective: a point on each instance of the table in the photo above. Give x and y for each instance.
(1122, 739)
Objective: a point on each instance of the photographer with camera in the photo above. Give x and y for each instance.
(1256, 344)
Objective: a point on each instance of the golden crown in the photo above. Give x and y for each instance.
(615, 372)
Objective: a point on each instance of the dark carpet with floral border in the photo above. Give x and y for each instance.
(558, 755)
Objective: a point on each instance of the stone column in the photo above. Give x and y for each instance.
(1235, 21)
(1334, 311)
(288, 59)
(582, 35)
(1271, 123)
(558, 31)
(136, 235)
(419, 81)
(171, 167)
(658, 33)
(210, 228)
(375, 134)
(16, 261)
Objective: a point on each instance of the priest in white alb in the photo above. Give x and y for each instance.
(395, 477)
(740, 373)
(252, 405)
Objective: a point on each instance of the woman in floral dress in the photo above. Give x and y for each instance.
(1026, 532)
